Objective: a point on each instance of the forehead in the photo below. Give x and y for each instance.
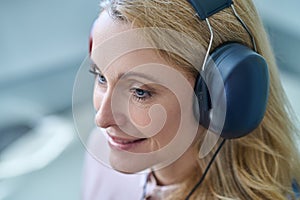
(118, 48)
(117, 45)
(105, 27)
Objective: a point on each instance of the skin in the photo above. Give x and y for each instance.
(132, 97)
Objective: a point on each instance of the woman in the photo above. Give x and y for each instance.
(148, 116)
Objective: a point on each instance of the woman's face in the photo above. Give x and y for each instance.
(143, 103)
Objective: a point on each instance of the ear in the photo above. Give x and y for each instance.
(91, 37)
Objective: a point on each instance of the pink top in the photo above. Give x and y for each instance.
(155, 192)
(103, 183)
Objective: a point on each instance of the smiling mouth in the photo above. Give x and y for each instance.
(124, 144)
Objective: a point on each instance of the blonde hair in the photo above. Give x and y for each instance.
(261, 165)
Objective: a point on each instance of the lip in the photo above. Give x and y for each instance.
(123, 143)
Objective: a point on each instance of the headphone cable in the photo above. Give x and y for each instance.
(206, 170)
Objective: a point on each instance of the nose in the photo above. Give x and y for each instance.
(107, 116)
(104, 116)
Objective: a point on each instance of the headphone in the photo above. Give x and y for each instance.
(245, 78)
(244, 73)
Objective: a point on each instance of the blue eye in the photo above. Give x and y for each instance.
(101, 79)
(140, 94)
(99, 76)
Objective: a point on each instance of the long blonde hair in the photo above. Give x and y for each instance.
(261, 165)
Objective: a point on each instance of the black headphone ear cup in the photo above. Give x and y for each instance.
(246, 84)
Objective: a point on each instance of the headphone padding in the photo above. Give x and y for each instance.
(246, 83)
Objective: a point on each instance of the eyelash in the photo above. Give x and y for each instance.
(99, 75)
(134, 91)
(138, 97)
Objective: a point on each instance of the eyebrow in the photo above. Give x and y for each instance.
(138, 74)
(129, 74)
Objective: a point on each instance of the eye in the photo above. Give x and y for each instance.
(140, 94)
(101, 79)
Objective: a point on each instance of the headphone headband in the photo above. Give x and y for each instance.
(207, 8)
(245, 77)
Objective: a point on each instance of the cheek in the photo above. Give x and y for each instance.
(139, 115)
(173, 118)
(160, 121)
(172, 122)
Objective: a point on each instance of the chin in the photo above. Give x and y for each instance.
(129, 163)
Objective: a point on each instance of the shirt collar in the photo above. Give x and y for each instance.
(153, 191)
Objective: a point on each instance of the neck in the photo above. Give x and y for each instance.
(179, 170)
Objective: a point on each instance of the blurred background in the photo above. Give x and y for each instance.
(42, 44)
